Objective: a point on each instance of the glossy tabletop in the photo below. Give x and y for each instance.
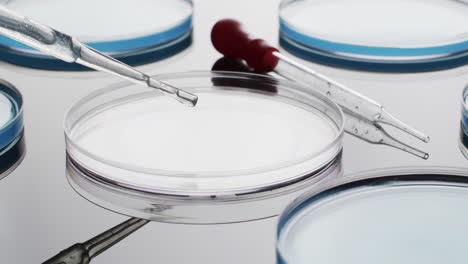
(40, 214)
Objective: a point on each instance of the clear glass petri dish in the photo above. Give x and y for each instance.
(384, 36)
(11, 128)
(417, 214)
(464, 123)
(251, 137)
(135, 32)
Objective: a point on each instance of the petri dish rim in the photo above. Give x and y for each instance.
(454, 46)
(387, 177)
(12, 156)
(464, 101)
(295, 88)
(13, 127)
(133, 49)
(68, 129)
(463, 142)
(190, 209)
(358, 55)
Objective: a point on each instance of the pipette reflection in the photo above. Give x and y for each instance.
(83, 253)
(355, 125)
(235, 65)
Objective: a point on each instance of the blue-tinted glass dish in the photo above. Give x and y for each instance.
(135, 32)
(410, 211)
(11, 128)
(384, 36)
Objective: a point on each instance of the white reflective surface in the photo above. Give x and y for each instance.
(40, 214)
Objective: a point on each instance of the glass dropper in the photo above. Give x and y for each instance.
(229, 38)
(354, 125)
(69, 49)
(83, 253)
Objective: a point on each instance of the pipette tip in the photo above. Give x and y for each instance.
(426, 139)
(407, 148)
(393, 142)
(176, 93)
(187, 98)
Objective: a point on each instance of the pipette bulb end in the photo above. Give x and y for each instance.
(228, 37)
(231, 40)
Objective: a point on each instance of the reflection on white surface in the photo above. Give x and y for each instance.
(406, 224)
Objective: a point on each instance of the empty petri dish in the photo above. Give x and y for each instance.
(135, 32)
(240, 144)
(464, 123)
(11, 128)
(419, 215)
(385, 35)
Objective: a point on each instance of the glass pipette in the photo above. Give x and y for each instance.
(83, 253)
(354, 125)
(69, 49)
(231, 40)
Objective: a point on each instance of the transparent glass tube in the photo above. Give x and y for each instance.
(345, 97)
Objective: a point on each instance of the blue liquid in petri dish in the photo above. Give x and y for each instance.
(133, 31)
(11, 116)
(383, 36)
(12, 146)
(382, 221)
